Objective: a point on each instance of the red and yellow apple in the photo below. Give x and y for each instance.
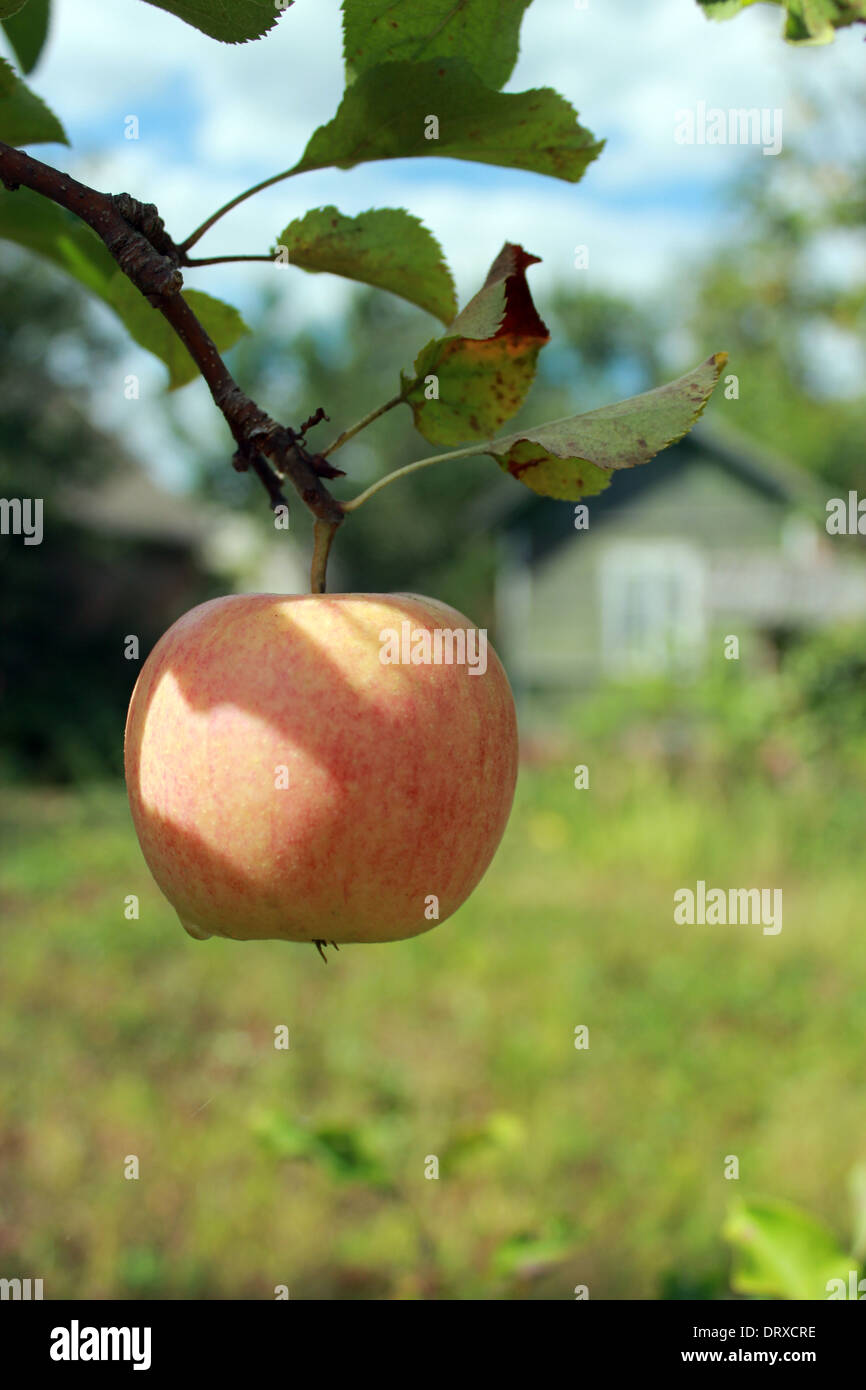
(290, 778)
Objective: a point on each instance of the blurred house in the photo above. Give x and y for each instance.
(714, 537)
(189, 542)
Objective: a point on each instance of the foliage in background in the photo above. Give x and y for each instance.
(781, 1251)
(69, 602)
(787, 295)
(804, 720)
(806, 21)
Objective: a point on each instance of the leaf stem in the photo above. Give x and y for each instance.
(232, 203)
(361, 424)
(222, 260)
(355, 502)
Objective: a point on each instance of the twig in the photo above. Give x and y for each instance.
(356, 502)
(361, 425)
(223, 260)
(135, 236)
(268, 476)
(227, 207)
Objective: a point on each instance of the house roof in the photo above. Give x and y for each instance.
(132, 504)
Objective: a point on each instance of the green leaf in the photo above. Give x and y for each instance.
(484, 32)
(496, 1133)
(347, 1152)
(231, 21)
(530, 1254)
(42, 227)
(385, 247)
(726, 9)
(481, 386)
(781, 1252)
(578, 457)
(280, 1136)
(816, 21)
(48, 230)
(27, 31)
(24, 117)
(806, 21)
(485, 364)
(8, 7)
(384, 115)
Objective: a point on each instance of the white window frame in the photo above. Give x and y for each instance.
(652, 607)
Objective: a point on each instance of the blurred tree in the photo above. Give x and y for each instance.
(787, 298)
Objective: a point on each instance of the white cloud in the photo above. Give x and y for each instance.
(242, 113)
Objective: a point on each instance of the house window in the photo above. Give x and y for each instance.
(652, 607)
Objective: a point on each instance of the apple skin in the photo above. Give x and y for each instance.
(400, 777)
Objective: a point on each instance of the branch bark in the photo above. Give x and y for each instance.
(135, 235)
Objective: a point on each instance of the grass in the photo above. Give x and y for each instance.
(557, 1167)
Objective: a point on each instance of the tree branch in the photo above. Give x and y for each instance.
(135, 236)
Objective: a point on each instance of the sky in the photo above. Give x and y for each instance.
(214, 118)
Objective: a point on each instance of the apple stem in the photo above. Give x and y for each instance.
(323, 535)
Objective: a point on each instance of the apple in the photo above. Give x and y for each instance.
(314, 768)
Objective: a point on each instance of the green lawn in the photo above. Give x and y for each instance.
(558, 1167)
